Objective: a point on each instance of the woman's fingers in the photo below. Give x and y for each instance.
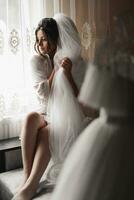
(66, 64)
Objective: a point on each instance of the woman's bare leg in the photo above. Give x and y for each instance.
(29, 133)
(40, 162)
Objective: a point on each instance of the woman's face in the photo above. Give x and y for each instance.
(43, 44)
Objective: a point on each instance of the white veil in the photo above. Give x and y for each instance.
(66, 116)
(69, 44)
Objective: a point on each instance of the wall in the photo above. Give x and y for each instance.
(92, 17)
(119, 7)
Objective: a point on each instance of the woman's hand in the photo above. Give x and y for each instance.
(66, 64)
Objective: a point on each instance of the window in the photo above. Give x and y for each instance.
(17, 21)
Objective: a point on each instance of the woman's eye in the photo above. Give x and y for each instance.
(41, 40)
(44, 39)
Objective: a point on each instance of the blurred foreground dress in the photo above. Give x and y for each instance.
(101, 163)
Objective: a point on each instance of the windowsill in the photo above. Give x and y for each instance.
(10, 144)
(10, 154)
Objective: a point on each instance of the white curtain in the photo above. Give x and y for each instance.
(18, 19)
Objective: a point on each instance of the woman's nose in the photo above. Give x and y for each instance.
(40, 43)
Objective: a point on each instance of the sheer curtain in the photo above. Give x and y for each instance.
(18, 19)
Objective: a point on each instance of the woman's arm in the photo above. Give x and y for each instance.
(67, 65)
(50, 79)
(41, 72)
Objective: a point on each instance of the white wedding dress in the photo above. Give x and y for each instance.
(100, 165)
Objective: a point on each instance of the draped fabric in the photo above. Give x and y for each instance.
(101, 162)
(66, 115)
(99, 22)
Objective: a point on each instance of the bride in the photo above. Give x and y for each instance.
(50, 135)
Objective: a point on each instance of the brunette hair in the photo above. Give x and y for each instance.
(49, 27)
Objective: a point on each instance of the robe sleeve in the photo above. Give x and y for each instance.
(40, 71)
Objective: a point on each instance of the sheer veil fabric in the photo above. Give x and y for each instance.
(101, 162)
(65, 114)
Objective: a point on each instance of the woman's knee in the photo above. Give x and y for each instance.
(32, 124)
(32, 118)
(35, 119)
